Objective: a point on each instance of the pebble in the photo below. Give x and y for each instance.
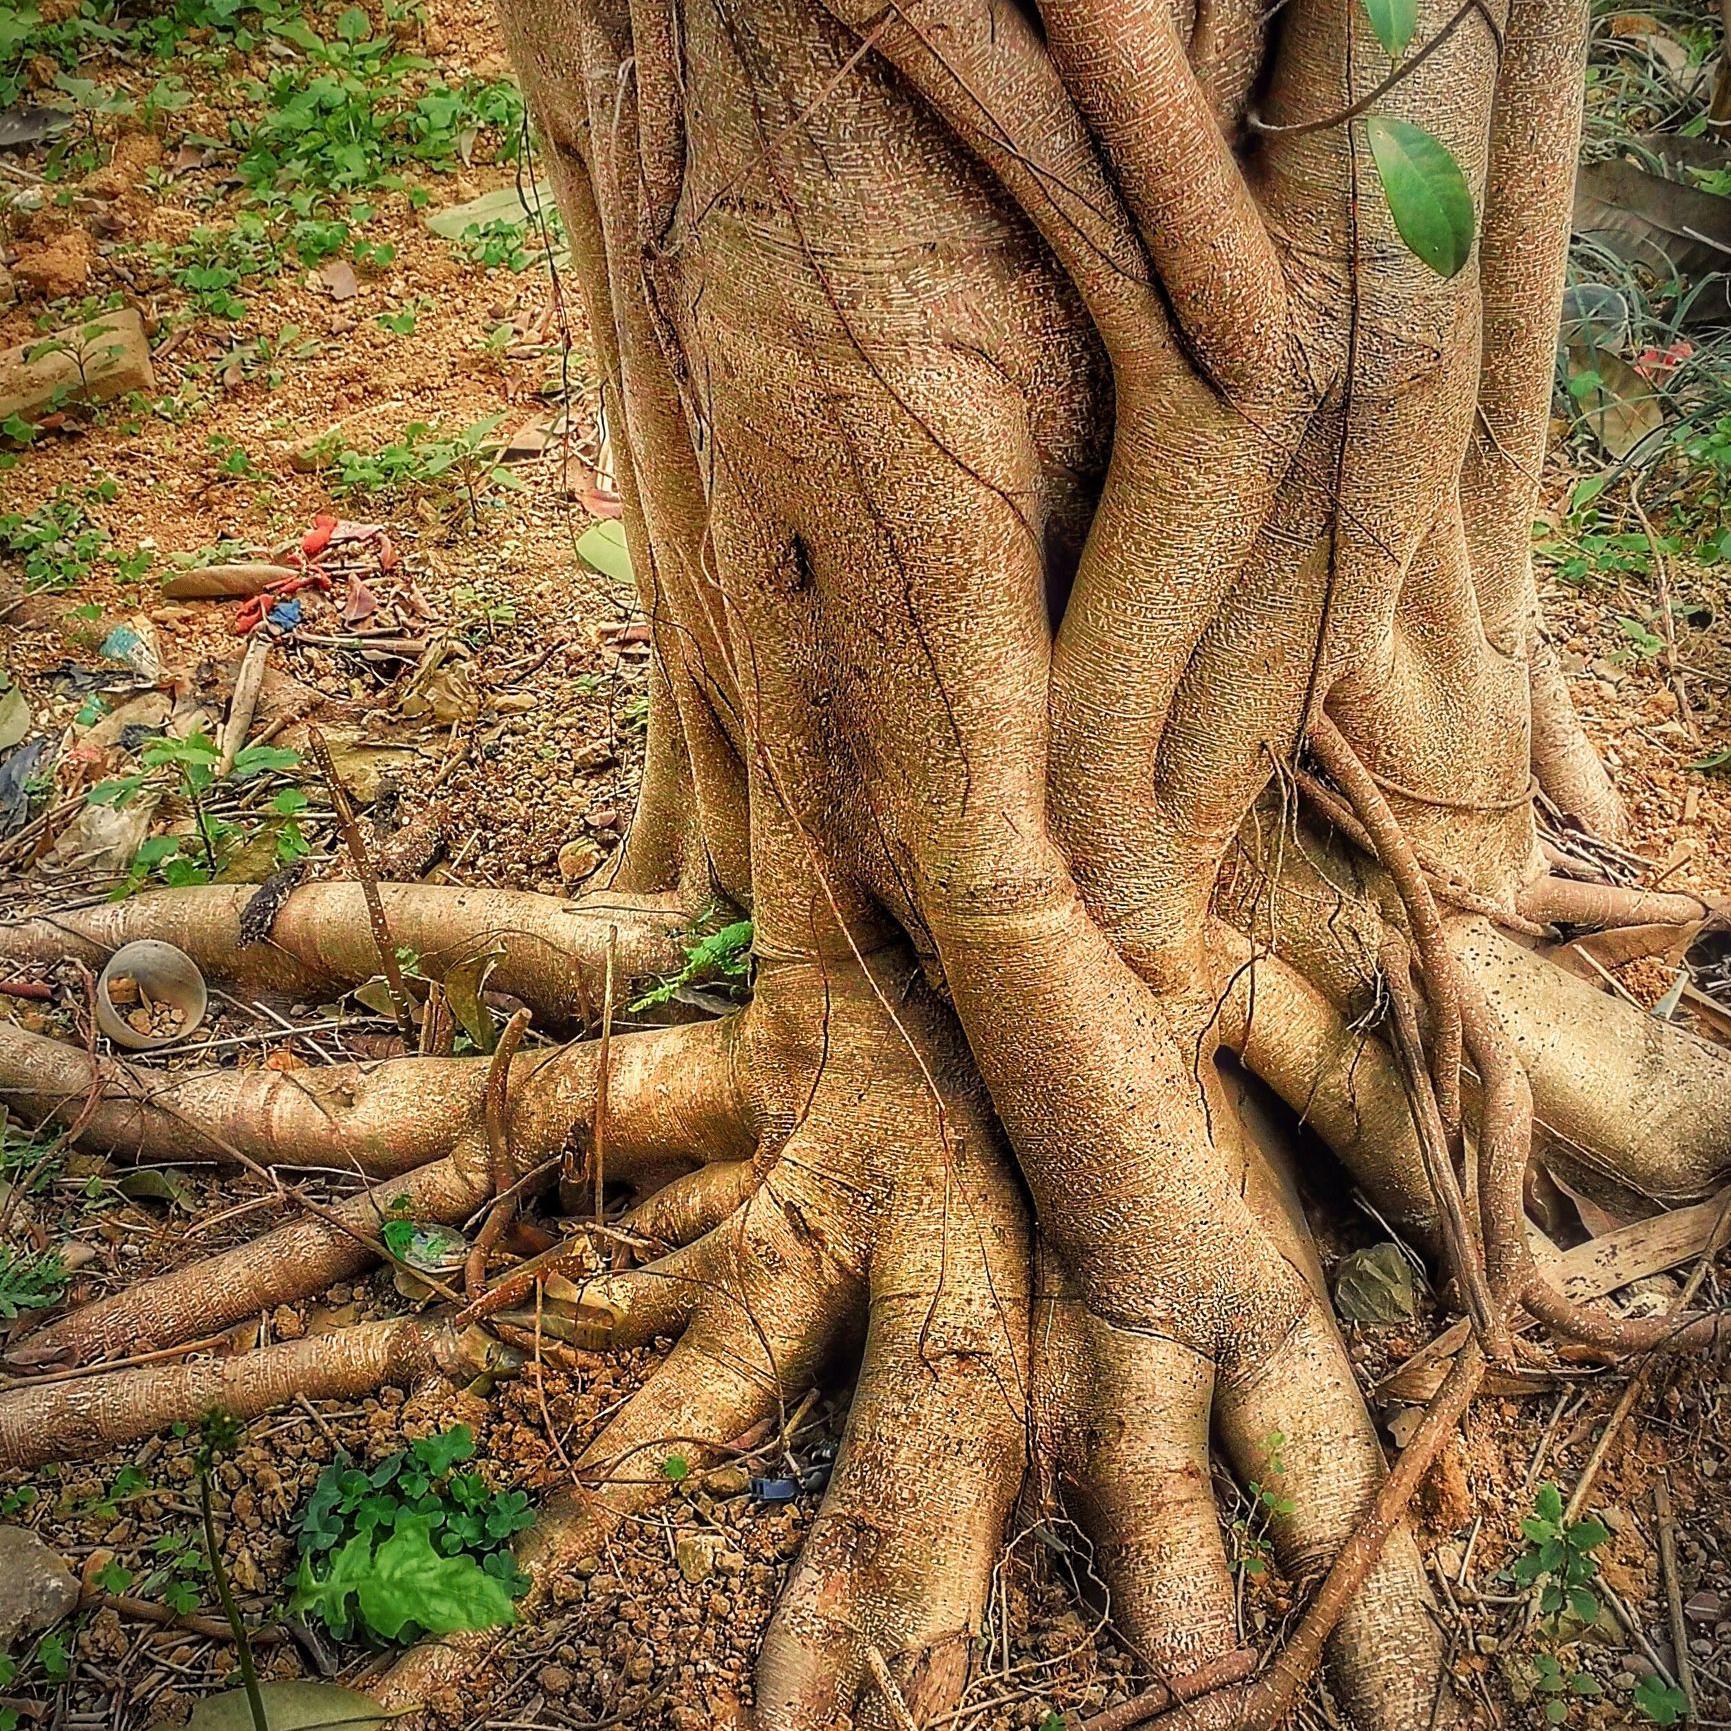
(36, 1587)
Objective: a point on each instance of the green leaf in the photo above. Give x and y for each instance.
(1427, 194)
(410, 1582)
(257, 759)
(603, 546)
(1661, 1703)
(1548, 1504)
(1394, 22)
(1587, 1535)
(290, 1706)
(438, 1454)
(1556, 1710)
(675, 1469)
(327, 1596)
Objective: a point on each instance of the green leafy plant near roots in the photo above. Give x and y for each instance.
(59, 544)
(1558, 1564)
(722, 956)
(192, 764)
(358, 109)
(29, 1280)
(424, 460)
(1268, 1501)
(412, 1546)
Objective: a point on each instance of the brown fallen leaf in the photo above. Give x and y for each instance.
(339, 278)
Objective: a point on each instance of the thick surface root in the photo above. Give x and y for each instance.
(371, 1118)
(552, 953)
(89, 1415)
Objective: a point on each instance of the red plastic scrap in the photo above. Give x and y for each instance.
(256, 608)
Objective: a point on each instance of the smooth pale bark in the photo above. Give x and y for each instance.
(1041, 473)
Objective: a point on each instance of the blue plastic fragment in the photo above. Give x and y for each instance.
(286, 615)
(774, 1490)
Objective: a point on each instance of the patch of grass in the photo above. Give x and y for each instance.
(356, 111)
(423, 459)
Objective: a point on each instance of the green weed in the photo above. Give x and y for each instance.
(722, 957)
(29, 1280)
(59, 544)
(190, 766)
(412, 1546)
(425, 460)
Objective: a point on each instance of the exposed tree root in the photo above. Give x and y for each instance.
(552, 953)
(370, 1118)
(89, 1415)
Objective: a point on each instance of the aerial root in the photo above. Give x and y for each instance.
(552, 954)
(377, 1119)
(1464, 1252)
(1565, 901)
(874, 1627)
(290, 1262)
(1441, 972)
(77, 1417)
(496, 1120)
(749, 1346)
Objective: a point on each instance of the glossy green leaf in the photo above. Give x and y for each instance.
(1427, 194)
(1394, 22)
(602, 546)
(409, 1582)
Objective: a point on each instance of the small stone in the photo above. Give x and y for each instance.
(555, 1680)
(1703, 1608)
(36, 1587)
(695, 1554)
(578, 858)
(91, 362)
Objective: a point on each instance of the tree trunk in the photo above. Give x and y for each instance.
(1087, 554)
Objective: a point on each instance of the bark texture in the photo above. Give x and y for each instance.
(1097, 645)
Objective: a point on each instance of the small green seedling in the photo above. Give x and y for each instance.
(30, 1280)
(1662, 1703)
(1558, 1559)
(1558, 1563)
(1268, 1501)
